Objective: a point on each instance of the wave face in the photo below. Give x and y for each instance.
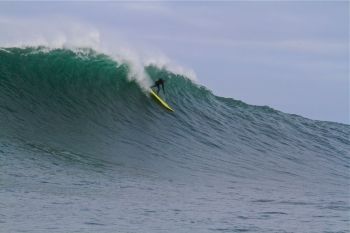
(65, 112)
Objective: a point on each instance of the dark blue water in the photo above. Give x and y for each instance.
(83, 148)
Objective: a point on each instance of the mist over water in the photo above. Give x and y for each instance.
(83, 148)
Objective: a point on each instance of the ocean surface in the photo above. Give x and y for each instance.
(83, 148)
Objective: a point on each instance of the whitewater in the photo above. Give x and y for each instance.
(83, 148)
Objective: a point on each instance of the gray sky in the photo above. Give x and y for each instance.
(292, 56)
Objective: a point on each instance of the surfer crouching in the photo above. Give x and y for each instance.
(157, 84)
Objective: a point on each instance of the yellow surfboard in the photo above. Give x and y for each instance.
(160, 101)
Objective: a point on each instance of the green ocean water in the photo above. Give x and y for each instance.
(83, 148)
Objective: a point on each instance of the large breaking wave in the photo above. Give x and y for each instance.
(81, 142)
(87, 103)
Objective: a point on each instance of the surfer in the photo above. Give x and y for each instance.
(157, 84)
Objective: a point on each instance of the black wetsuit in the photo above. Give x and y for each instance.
(158, 83)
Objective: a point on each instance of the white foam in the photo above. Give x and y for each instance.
(74, 35)
(163, 62)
